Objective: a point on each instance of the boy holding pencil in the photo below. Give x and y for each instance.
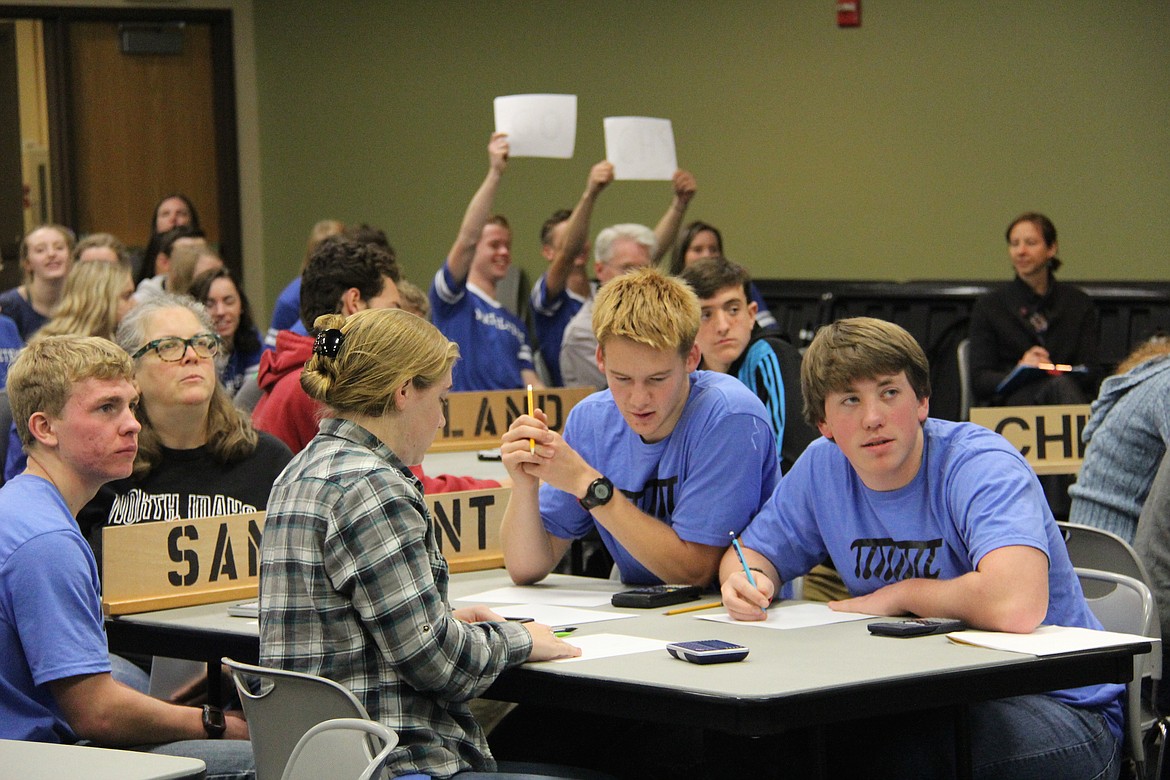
(665, 463)
(930, 518)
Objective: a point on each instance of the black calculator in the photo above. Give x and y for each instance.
(916, 627)
(656, 596)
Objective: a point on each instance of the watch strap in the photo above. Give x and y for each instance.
(599, 493)
(214, 722)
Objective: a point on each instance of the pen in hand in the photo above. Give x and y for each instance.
(743, 562)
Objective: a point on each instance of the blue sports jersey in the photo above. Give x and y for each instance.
(550, 316)
(493, 343)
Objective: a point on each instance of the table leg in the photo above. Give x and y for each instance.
(214, 686)
(962, 713)
(820, 751)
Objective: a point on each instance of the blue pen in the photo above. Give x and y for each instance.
(742, 560)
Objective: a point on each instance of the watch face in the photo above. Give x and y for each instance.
(602, 491)
(214, 722)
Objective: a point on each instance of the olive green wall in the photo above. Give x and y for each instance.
(899, 150)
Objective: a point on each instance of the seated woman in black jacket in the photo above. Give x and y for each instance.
(1033, 320)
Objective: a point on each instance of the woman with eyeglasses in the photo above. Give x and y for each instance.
(198, 456)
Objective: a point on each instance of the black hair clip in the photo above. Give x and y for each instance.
(328, 342)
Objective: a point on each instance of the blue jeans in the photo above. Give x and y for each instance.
(1019, 738)
(1039, 737)
(523, 770)
(128, 673)
(226, 759)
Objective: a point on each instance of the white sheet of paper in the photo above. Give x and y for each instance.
(1046, 640)
(538, 125)
(539, 594)
(597, 646)
(793, 616)
(640, 147)
(553, 615)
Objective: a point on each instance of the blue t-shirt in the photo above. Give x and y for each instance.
(285, 312)
(973, 494)
(493, 342)
(28, 320)
(705, 480)
(10, 345)
(549, 317)
(50, 613)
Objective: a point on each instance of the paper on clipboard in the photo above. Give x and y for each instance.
(640, 147)
(538, 125)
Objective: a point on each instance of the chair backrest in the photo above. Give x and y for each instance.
(1127, 606)
(282, 706)
(963, 353)
(1093, 548)
(339, 748)
(248, 395)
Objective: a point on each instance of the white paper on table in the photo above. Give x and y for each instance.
(640, 147)
(539, 594)
(538, 125)
(1046, 640)
(597, 646)
(793, 616)
(553, 615)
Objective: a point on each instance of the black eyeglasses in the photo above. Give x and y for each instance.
(172, 348)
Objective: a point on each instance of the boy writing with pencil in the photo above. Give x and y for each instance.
(665, 463)
(930, 518)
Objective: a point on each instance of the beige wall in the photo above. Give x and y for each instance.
(896, 151)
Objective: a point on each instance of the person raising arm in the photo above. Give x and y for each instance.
(463, 293)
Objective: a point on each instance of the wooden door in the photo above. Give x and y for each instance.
(141, 126)
(11, 194)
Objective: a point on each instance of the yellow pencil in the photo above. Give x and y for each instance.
(694, 608)
(531, 413)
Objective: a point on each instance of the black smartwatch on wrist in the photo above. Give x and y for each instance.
(599, 493)
(214, 722)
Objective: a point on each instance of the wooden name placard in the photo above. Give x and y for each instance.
(1048, 436)
(477, 420)
(467, 527)
(148, 566)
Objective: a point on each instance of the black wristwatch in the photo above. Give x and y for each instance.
(599, 493)
(214, 722)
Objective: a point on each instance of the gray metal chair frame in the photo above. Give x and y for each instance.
(339, 748)
(284, 706)
(963, 353)
(1126, 605)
